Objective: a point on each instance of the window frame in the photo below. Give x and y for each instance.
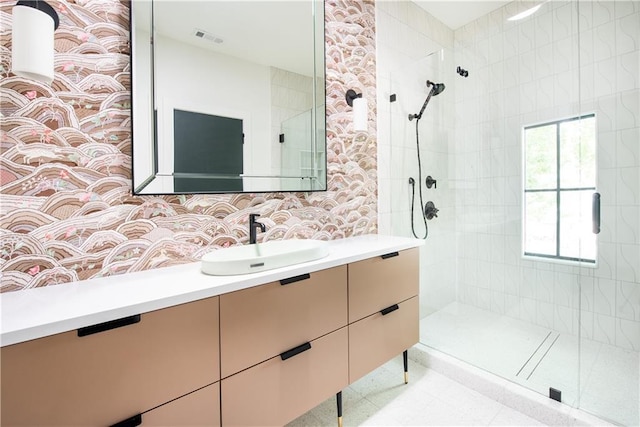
(558, 190)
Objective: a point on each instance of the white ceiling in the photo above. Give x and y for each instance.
(277, 33)
(277, 40)
(456, 13)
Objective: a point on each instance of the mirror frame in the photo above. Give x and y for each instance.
(145, 165)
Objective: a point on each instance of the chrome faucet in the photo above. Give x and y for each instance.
(253, 224)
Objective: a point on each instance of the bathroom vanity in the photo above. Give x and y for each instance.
(176, 347)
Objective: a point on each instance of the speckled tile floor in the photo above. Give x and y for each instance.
(430, 399)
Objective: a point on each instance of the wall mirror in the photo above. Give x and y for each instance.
(228, 96)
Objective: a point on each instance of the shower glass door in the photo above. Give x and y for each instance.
(422, 148)
(610, 288)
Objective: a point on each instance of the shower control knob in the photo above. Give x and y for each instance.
(431, 182)
(430, 210)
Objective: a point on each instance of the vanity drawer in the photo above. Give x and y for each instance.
(379, 282)
(200, 408)
(277, 391)
(376, 339)
(104, 377)
(261, 322)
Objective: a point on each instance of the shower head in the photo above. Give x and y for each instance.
(436, 88)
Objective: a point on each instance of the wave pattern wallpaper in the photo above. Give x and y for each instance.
(66, 208)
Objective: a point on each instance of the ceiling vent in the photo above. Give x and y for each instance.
(205, 35)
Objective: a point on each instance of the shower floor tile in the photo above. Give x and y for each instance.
(480, 337)
(539, 358)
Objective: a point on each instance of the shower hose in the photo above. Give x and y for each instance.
(413, 191)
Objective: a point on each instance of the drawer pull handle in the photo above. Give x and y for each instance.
(294, 279)
(134, 421)
(388, 310)
(106, 326)
(389, 255)
(295, 351)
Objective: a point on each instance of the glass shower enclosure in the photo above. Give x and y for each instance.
(534, 145)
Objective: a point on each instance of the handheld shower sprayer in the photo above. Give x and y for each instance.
(428, 211)
(436, 89)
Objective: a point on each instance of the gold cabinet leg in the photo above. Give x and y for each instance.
(339, 402)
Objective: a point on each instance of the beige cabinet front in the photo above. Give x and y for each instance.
(377, 283)
(261, 322)
(277, 391)
(378, 338)
(198, 409)
(103, 378)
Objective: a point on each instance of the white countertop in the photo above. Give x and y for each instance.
(37, 313)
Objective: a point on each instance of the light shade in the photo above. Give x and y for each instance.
(360, 114)
(32, 40)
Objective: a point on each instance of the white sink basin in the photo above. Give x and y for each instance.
(262, 256)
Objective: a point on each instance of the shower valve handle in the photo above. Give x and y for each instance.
(430, 210)
(431, 182)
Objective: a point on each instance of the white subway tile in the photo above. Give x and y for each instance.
(565, 319)
(564, 55)
(544, 314)
(563, 25)
(628, 109)
(628, 186)
(585, 14)
(604, 329)
(528, 310)
(544, 287)
(628, 262)
(544, 28)
(586, 47)
(606, 104)
(628, 334)
(604, 41)
(606, 149)
(511, 42)
(605, 297)
(628, 224)
(628, 69)
(498, 302)
(626, 7)
(586, 324)
(603, 12)
(587, 292)
(628, 300)
(627, 32)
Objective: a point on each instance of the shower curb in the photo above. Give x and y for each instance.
(514, 396)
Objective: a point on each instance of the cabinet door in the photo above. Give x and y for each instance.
(277, 391)
(200, 408)
(379, 282)
(376, 339)
(261, 322)
(105, 377)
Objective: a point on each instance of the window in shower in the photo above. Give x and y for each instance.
(559, 181)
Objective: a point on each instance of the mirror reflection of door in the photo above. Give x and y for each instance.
(208, 152)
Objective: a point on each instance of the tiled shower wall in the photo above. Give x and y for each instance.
(532, 71)
(66, 209)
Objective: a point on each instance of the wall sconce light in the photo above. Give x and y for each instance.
(32, 40)
(359, 105)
